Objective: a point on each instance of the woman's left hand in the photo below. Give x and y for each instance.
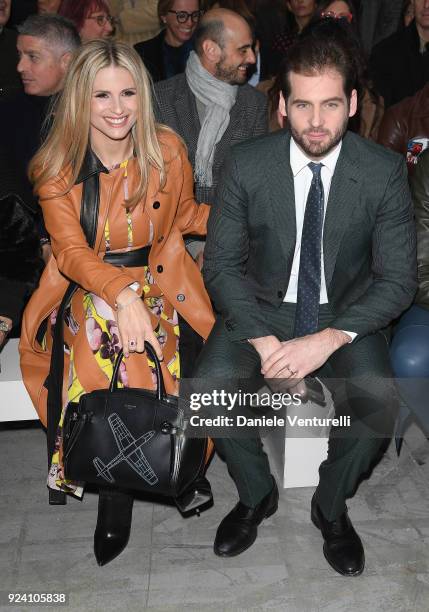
(134, 323)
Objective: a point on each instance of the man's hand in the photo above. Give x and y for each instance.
(301, 356)
(265, 346)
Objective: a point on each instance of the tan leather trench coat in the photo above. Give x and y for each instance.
(173, 213)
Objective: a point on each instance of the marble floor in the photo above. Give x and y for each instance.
(169, 563)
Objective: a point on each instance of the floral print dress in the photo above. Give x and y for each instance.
(91, 335)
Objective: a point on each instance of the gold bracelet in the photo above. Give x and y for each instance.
(122, 306)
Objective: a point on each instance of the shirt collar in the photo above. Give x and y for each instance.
(299, 160)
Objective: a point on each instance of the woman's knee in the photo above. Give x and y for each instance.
(409, 352)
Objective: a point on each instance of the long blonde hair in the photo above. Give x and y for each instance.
(68, 138)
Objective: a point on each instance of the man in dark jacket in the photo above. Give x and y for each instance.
(45, 46)
(400, 64)
(310, 253)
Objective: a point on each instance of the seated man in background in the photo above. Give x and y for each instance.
(399, 64)
(212, 107)
(405, 127)
(45, 47)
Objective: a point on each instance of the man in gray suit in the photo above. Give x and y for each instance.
(310, 253)
(211, 106)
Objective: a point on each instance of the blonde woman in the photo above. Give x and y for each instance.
(146, 203)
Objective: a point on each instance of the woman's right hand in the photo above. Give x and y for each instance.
(134, 324)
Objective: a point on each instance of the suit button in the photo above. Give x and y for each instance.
(279, 294)
(159, 269)
(156, 205)
(180, 297)
(161, 238)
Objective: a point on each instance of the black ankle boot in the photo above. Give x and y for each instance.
(112, 533)
(197, 498)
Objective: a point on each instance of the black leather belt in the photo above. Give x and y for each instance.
(129, 259)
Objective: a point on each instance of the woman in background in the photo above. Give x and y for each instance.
(104, 127)
(299, 15)
(166, 55)
(367, 120)
(91, 17)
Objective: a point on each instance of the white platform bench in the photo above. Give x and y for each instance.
(295, 460)
(15, 403)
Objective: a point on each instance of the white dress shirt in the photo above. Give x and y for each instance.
(302, 177)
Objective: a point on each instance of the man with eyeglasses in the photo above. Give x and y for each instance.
(166, 54)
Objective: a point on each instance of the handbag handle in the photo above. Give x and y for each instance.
(160, 387)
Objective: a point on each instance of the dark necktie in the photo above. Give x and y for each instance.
(308, 297)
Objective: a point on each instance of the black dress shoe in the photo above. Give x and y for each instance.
(239, 529)
(112, 533)
(197, 498)
(343, 548)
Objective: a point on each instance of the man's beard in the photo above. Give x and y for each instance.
(229, 74)
(319, 149)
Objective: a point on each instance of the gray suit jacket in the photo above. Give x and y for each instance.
(368, 241)
(175, 106)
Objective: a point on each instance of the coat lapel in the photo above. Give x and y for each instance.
(343, 197)
(282, 195)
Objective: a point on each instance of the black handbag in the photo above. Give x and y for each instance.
(131, 438)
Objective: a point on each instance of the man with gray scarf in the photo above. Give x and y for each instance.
(211, 106)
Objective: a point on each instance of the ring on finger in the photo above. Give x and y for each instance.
(132, 343)
(292, 372)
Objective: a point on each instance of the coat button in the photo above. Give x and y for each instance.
(156, 204)
(279, 294)
(161, 238)
(159, 269)
(180, 297)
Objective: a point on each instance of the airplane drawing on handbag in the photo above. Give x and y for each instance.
(130, 450)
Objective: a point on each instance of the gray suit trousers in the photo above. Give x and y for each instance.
(351, 451)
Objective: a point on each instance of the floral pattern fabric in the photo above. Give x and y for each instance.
(92, 340)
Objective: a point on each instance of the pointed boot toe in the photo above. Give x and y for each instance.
(113, 524)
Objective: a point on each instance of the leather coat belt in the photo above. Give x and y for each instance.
(130, 259)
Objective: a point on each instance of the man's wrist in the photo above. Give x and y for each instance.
(336, 337)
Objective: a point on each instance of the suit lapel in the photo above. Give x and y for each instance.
(343, 197)
(187, 118)
(282, 195)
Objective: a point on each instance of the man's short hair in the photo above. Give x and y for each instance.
(209, 29)
(322, 46)
(59, 32)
